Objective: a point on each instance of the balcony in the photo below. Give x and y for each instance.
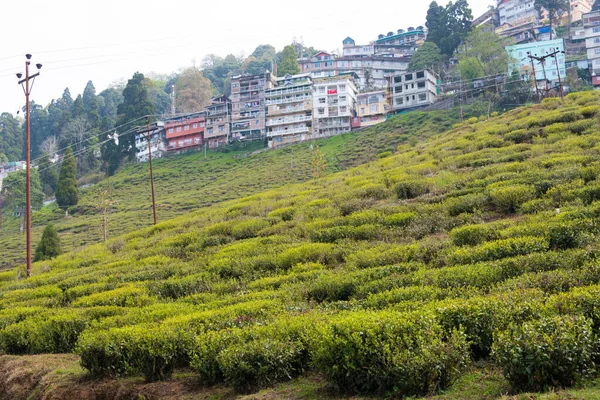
(288, 100)
(290, 131)
(283, 121)
(289, 110)
(279, 92)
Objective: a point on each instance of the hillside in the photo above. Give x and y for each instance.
(189, 182)
(465, 264)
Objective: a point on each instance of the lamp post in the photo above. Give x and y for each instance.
(27, 90)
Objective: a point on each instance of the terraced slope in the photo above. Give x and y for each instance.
(389, 278)
(189, 182)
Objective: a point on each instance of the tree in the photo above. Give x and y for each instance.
(448, 26)
(289, 62)
(12, 140)
(66, 190)
(49, 245)
(78, 109)
(13, 192)
(91, 105)
(108, 101)
(318, 162)
(39, 128)
(49, 146)
(428, 56)
(264, 52)
(48, 175)
(554, 8)
(79, 135)
(193, 91)
(483, 54)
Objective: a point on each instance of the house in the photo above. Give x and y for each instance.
(578, 8)
(403, 38)
(218, 122)
(411, 90)
(185, 132)
(158, 142)
(517, 12)
(488, 21)
(551, 71)
(591, 23)
(248, 105)
(372, 107)
(320, 65)
(334, 104)
(289, 110)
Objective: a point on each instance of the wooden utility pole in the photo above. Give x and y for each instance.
(27, 89)
(151, 174)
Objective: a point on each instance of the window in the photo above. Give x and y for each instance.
(596, 40)
(597, 51)
(421, 75)
(342, 98)
(321, 100)
(343, 109)
(342, 88)
(423, 97)
(408, 77)
(221, 128)
(596, 29)
(209, 131)
(170, 130)
(397, 79)
(399, 100)
(421, 85)
(195, 126)
(322, 89)
(186, 128)
(178, 129)
(374, 108)
(321, 111)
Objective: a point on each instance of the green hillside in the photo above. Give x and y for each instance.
(188, 182)
(468, 260)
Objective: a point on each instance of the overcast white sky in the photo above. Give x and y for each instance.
(109, 40)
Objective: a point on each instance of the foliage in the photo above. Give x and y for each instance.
(193, 91)
(554, 8)
(449, 25)
(482, 54)
(67, 193)
(49, 245)
(289, 62)
(428, 56)
(13, 190)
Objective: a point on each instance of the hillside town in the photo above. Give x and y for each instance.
(338, 93)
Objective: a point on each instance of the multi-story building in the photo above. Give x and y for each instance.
(549, 71)
(591, 23)
(248, 105)
(158, 142)
(289, 110)
(372, 107)
(413, 90)
(402, 37)
(517, 12)
(185, 132)
(320, 65)
(334, 104)
(488, 21)
(218, 122)
(580, 7)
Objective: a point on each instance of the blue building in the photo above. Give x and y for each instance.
(522, 63)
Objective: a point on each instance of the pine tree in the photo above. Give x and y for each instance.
(77, 110)
(289, 62)
(48, 175)
(66, 191)
(49, 245)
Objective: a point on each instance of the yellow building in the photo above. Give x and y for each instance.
(372, 107)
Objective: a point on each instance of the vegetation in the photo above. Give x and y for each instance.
(476, 247)
(66, 191)
(49, 245)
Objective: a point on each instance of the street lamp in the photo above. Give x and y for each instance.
(27, 90)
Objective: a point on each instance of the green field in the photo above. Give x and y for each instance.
(462, 266)
(188, 182)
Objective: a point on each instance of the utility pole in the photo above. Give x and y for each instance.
(173, 99)
(27, 90)
(542, 61)
(151, 174)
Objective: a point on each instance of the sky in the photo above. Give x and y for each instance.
(107, 41)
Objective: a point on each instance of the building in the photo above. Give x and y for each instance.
(158, 142)
(289, 110)
(403, 38)
(334, 104)
(413, 90)
(591, 23)
(517, 12)
(248, 105)
(548, 71)
(320, 65)
(580, 7)
(10, 167)
(488, 21)
(218, 122)
(372, 107)
(185, 132)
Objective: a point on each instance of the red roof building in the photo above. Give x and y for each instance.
(185, 132)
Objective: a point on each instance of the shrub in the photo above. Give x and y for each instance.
(248, 229)
(465, 204)
(384, 154)
(550, 352)
(387, 352)
(499, 249)
(472, 235)
(400, 219)
(410, 189)
(332, 288)
(508, 199)
(589, 111)
(114, 246)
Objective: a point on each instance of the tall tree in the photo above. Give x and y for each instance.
(193, 91)
(13, 191)
(49, 245)
(483, 54)
(67, 194)
(89, 94)
(428, 56)
(80, 136)
(39, 128)
(48, 175)
(109, 100)
(554, 8)
(289, 62)
(448, 26)
(78, 109)
(49, 146)
(12, 140)
(264, 52)
(91, 106)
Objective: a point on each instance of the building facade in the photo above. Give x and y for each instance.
(185, 132)
(413, 90)
(334, 104)
(580, 7)
(248, 105)
(517, 12)
(548, 71)
(289, 110)
(591, 23)
(402, 37)
(158, 142)
(372, 107)
(218, 122)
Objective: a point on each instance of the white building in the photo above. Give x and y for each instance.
(158, 142)
(591, 23)
(517, 12)
(334, 104)
(289, 110)
(413, 90)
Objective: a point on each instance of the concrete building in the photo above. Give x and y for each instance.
(403, 38)
(413, 90)
(218, 122)
(488, 21)
(591, 23)
(158, 142)
(289, 110)
(334, 104)
(248, 105)
(185, 132)
(549, 71)
(320, 65)
(580, 7)
(372, 107)
(517, 12)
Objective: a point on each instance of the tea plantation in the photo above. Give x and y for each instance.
(477, 246)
